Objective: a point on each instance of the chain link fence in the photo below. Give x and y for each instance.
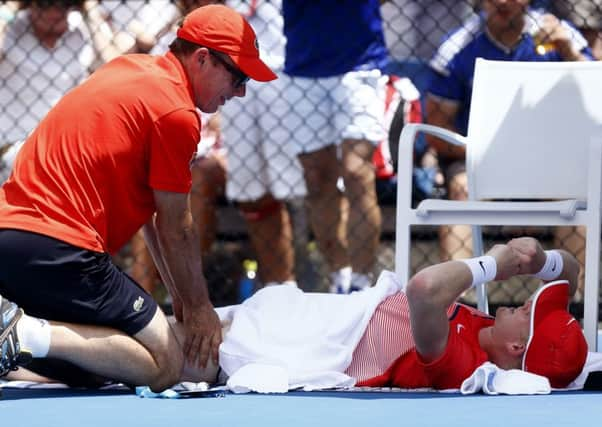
(49, 47)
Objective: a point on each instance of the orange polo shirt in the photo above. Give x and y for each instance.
(86, 175)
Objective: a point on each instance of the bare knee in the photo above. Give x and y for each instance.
(321, 170)
(261, 209)
(458, 186)
(164, 346)
(169, 370)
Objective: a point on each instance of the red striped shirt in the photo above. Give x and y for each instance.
(387, 337)
(386, 356)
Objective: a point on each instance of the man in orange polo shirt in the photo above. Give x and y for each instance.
(113, 155)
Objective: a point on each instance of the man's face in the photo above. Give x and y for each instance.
(505, 14)
(512, 324)
(215, 82)
(49, 20)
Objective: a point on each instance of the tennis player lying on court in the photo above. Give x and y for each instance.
(282, 338)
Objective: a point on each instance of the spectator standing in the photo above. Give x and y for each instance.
(505, 30)
(334, 54)
(263, 170)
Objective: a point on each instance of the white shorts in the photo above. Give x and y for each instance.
(260, 161)
(326, 111)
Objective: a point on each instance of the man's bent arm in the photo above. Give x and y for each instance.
(152, 243)
(179, 245)
(431, 291)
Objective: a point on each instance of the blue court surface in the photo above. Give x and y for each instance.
(65, 408)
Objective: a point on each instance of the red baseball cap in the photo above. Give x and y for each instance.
(556, 347)
(220, 28)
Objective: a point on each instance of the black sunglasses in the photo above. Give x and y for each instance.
(240, 78)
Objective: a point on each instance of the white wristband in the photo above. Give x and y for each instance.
(552, 267)
(483, 268)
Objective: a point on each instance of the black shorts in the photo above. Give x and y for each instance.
(57, 281)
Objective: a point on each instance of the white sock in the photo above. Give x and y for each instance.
(34, 335)
(360, 281)
(341, 279)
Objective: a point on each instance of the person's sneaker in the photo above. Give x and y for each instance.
(11, 355)
(340, 281)
(360, 282)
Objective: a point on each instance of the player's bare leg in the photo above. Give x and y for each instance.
(363, 229)
(327, 206)
(271, 235)
(208, 184)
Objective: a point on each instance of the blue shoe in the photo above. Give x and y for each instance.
(11, 355)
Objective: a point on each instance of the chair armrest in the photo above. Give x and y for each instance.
(405, 155)
(445, 134)
(408, 136)
(564, 208)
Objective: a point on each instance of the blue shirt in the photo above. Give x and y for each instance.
(330, 38)
(455, 59)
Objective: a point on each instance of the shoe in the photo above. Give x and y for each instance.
(340, 281)
(11, 356)
(359, 282)
(336, 290)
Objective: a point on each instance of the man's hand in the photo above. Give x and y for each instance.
(203, 334)
(531, 254)
(508, 261)
(553, 32)
(176, 306)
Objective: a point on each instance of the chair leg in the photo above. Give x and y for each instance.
(592, 285)
(402, 252)
(477, 248)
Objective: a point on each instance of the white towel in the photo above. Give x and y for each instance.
(283, 336)
(259, 378)
(490, 379)
(592, 363)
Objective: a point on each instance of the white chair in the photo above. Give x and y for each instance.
(534, 137)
